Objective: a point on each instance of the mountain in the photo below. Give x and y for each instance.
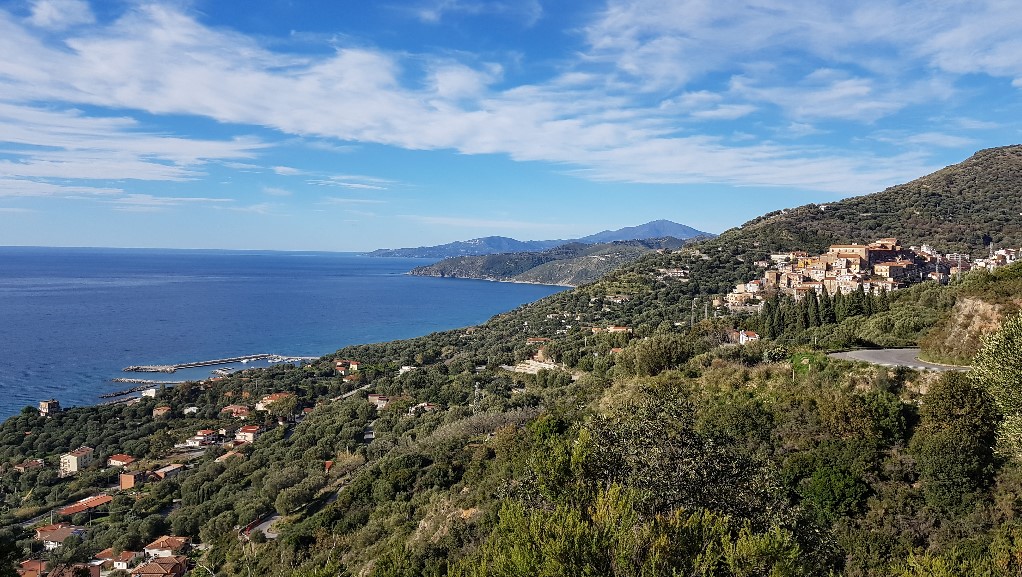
(501, 244)
(655, 229)
(961, 208)
(569, 264)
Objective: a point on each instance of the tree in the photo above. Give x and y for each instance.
(996, 369)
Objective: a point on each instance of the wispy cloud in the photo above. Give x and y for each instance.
(276, 191)
(433, 11)
(11, 210)
(346, 201)
(609, 113)
(151, 203)
(61, 14)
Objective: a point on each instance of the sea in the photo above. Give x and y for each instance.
(72, 318)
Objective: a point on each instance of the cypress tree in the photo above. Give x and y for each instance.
(814, 310)
(883, 301)
(826, 308)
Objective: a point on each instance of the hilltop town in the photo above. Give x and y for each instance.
(882, 265)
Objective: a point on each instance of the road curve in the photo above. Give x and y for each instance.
(894, 358)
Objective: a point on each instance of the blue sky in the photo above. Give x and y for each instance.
(353, 125)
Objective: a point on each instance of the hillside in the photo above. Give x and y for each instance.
(500, 244)
(648, 444)
(961, 208)
(569, 264)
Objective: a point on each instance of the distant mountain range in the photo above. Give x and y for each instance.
(569, 264)
(501, 244)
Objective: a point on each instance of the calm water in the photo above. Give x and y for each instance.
(71, 319)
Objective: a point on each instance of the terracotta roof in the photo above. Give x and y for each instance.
(170, 542)
(175, 565)
(86, 504)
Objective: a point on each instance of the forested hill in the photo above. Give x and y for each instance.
(962, 208)
(570, 264)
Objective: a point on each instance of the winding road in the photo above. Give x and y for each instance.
(894, 358)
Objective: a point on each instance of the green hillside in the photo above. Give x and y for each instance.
(612, 429)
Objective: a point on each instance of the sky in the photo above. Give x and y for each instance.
(347, 125)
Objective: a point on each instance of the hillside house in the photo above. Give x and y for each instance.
(161, 411)
(109, 561)
(237, 411)
(381, 401)
(130, 480)
(170, 471)
(29, 465)
(87, 504)
(248, 433)
(172, 566)
(119, 460)
(203, 438)
(53, 536)
(49, 407)
(75, 461)
(265, 403)
(423, 407)
(75, 570)
(168, 546)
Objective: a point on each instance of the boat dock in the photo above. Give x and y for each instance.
(143, 384)
(243, 359)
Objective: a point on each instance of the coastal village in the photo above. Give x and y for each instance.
(882, 265)
(135, 476)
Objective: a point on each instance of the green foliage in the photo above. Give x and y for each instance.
(996, 369)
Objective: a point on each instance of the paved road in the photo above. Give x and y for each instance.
(894, 358)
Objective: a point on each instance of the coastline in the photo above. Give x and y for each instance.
(491, 279)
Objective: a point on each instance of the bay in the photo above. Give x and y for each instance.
(72, 318)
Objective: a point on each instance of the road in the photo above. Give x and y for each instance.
(894, 358)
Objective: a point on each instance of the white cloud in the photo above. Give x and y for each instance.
(61, 14)
(287, 171)
(276, 191)
(617, 112)
(434, 11)
(348, 201)
(9, 210)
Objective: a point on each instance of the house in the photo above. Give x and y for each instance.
(164, 566)
(86, 504)
(193, 410)
(120, 460)
(237, 411)
(381, 401)
(618, 329)
(536, 340)
(747, 337)
(161, 411)
(167, 546)
(346, 367)
(131, 480)
(170, 471)
(203, 437)
(32, 568)
(248, 433)
(75, 461)
(423, 407)
(265, 403)
(29, 464)
(111, 562)
(53, 536)
(49, 408)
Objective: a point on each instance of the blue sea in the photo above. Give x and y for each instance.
(72, 318)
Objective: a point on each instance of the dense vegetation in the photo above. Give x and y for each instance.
(666, 450)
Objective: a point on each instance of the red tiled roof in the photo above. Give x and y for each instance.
(86, 504)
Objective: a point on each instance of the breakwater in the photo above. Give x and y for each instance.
(176, 367)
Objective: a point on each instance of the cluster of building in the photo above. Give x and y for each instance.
(164, 556)
(879, 265)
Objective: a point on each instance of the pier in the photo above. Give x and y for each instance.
(243, 359)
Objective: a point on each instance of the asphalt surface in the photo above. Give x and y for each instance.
(894, 358)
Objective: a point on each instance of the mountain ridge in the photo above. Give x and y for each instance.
(501, 244)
